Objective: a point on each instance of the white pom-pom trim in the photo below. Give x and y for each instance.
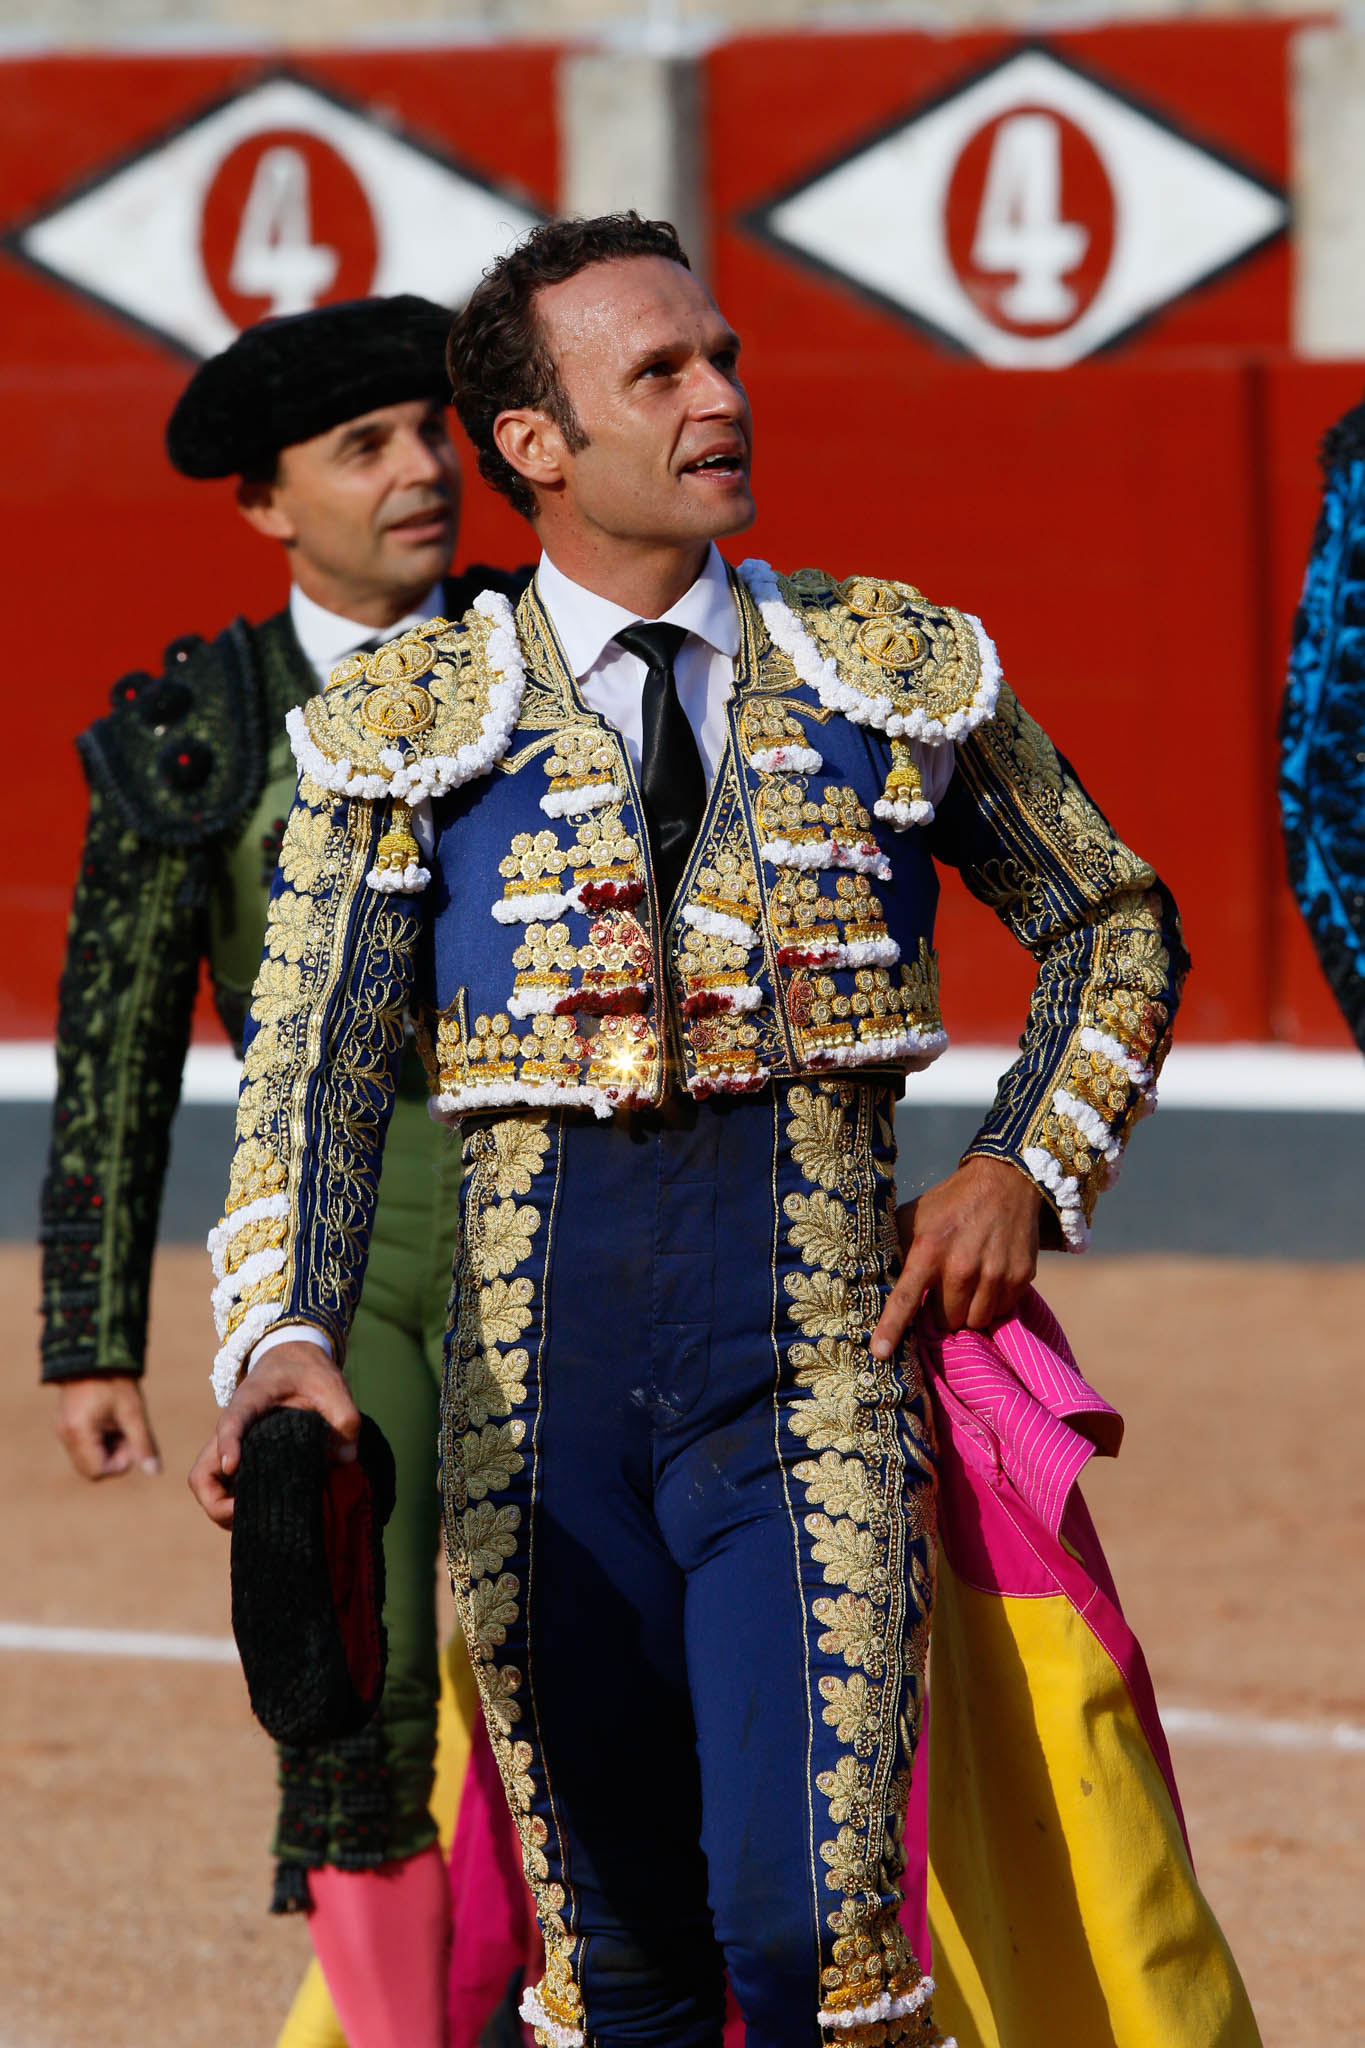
(529, 909)
(719, 1081)
(432, 774)
(828, 953)
(917, 1047)
(720, 925)
(535, 2015)
(228, 1360)
(786, 760)
(589, 796)
(1117, 1054)
(924, 1042)
(408, 881)
(815, 952)
(1088, 1122)
(1065, 1191)
(883, 2007)
(811, 853)
(866, 856)
(787, 633)
(455, 1102)
(530, 1002)
(902, 816)
(743, 995)
(868, 953)
(256, 1266)
(265, 1209)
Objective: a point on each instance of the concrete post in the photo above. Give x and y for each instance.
(632, 135)
(1328, 184)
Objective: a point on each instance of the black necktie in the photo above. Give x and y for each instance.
(672, 778)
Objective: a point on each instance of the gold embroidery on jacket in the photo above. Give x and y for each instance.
(887, 640)
(310, 949)
(363, 711)
(867, 1481)
(1070, 855)
(484, 1451)
(731, 1038)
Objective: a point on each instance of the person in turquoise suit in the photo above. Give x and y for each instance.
(1322, 728)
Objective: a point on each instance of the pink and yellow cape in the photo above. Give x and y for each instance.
(1049, 1880)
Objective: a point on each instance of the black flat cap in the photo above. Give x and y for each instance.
(308, 1575)
(286, 380)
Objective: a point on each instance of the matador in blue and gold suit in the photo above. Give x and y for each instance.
(689, 1514)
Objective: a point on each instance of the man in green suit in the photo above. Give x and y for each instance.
(334, 424)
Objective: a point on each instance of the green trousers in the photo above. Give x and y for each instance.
(333, 1810)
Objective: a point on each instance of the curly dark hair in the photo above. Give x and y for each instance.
(496, 356)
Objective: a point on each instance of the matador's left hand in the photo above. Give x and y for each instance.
(971, 1244)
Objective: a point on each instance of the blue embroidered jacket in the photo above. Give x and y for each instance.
(1322, 728)
(870, 735)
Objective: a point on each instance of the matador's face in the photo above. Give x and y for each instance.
(368, 511)
(651, 371)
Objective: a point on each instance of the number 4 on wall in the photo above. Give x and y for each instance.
(1020, 229)
(275, 256)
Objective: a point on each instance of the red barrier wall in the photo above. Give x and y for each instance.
(1132, 527)
(108, 553)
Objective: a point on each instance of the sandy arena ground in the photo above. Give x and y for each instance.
(137, 1795)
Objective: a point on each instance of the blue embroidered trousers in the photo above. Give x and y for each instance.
(690, 1523)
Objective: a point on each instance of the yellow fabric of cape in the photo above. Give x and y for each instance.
(1063, 1908)
(312, 2020)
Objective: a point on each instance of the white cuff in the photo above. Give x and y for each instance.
(289, 1333)
(423, 826)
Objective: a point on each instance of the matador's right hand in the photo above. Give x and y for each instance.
(293, 1375)
(103, 1424)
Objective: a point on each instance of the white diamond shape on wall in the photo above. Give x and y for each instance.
(1030, 218)
(275, 200)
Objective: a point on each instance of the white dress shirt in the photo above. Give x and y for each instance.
(327, 638)
(612, 682)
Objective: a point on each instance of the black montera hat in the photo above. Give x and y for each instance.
(308, 1575)
(286, 380)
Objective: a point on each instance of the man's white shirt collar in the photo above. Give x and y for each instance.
(327, 638)
(587, 624)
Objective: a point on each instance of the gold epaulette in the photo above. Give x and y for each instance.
(425, 712)
(912, 668)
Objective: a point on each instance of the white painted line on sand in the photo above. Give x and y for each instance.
(116, 1642)
(1235, 1077)
(1196, 1724)
(1249, 1731)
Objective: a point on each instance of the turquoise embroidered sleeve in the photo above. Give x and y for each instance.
(132, 962)
(1322, 729)
(1106, 936)
(324, 1042)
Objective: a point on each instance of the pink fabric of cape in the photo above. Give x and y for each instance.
(494, 1929)
(1049, 1881)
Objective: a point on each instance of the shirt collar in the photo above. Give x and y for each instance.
(587, 624)
(326, 637)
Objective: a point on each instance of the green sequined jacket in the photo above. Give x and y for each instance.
(191, 779)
